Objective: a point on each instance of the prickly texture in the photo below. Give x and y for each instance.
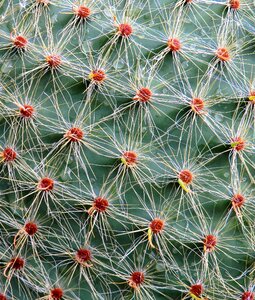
(127, 149)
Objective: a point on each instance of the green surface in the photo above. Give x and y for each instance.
(165, 133)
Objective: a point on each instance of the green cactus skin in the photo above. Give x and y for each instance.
(127, 150)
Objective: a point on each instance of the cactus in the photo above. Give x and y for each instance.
(127, 149)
